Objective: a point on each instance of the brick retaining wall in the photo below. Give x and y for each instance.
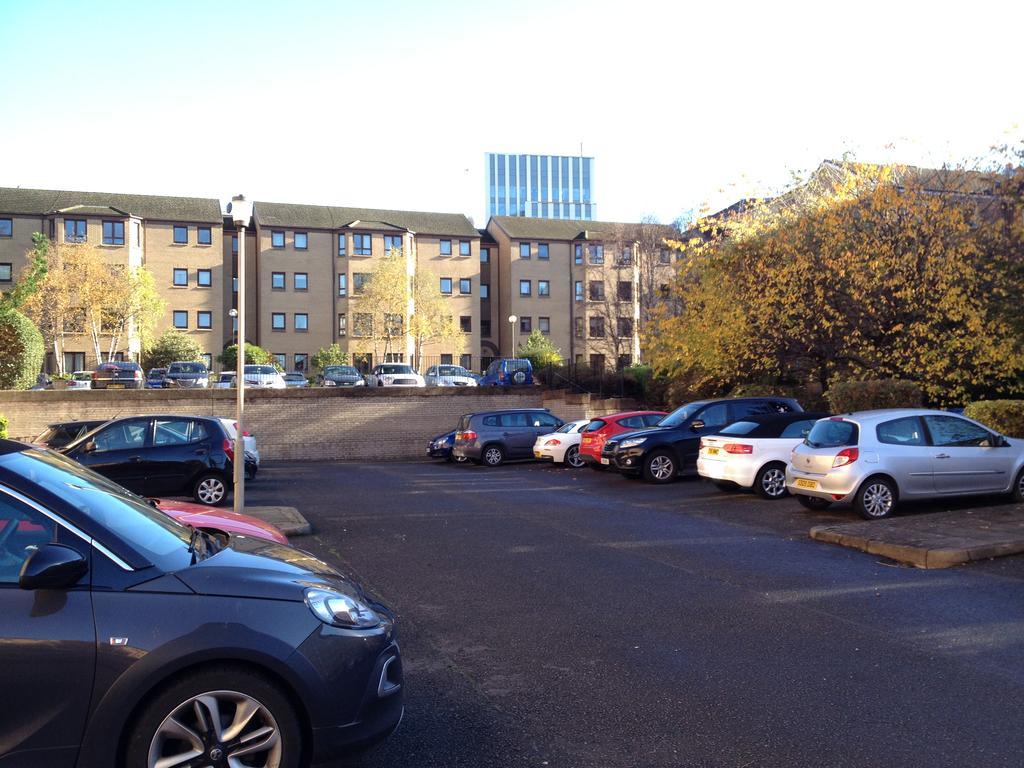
(355, 425)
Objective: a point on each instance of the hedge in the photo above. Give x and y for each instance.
(850, 396)
(23, 351)
(1004, 416)
(3, 426)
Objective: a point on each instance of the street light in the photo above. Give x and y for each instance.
(240, 211)
(512, 319)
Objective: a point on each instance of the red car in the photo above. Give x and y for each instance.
(597, 432)
(199, 516)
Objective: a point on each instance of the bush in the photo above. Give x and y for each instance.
(23, 351)
(173, 346)
(849, 396)
(3, 426)
(1004, 416)
(332, 355)
(253, 356)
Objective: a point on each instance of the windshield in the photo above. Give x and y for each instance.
(187, 368)
(389, 369)
(157, 372)
(158, 538)
(261, 370)
(340, 370)
(451, 370)
(832, 433)
(682, 414)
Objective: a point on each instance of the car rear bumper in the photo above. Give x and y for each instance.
(544, 453)
(832, 486)
(117, 385)
(731, 471)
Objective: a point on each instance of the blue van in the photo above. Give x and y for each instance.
(508, 372)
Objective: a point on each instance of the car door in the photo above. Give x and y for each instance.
(904, 447)
(118, 452)
(542, 424)
(47, 646)
(707, 421)
(965, 458)
(517, 434)
(178, 450)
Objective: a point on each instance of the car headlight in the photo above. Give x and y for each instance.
(633, 442)
(340, 610)
(330, 383)
(360, 383)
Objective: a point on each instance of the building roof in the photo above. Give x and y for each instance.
(528, 228)
(486, 238)
(39, 202)
(335, 217)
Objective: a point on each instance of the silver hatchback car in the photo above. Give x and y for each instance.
(877, 458)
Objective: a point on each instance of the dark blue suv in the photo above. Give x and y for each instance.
(508, 372)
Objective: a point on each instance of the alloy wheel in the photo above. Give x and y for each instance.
(572, 457)
(774, 482)
(211, 490)
(221, 729)
(493, 456)
(662, 467)
(877, 500)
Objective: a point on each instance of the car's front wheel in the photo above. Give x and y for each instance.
(228, 716)
(770, 482)
(875, 499)
(572, 457)
(210, 489)
(660, 467)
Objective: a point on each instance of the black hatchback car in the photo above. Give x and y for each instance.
(661, 453)
(128, 639)
(118, 375)
(161, 456)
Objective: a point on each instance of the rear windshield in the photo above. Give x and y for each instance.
(340, 370)
(187, 368)
(739, 428)
(451, 370)
(517, 365)
(261, 370)
(569, 426)
(832, 433)
(595, 425)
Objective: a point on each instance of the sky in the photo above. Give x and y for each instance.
(393, 103)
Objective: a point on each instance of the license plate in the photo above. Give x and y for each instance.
(606, 461)
(713, 451)
(809, 484)
(115, 386)
(538, 455)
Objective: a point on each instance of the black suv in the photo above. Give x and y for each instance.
(660, 454)
(161, 456)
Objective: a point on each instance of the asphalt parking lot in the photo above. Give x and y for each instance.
(574, 618)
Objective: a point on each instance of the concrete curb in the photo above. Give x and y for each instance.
(936, 540)
(288, 519)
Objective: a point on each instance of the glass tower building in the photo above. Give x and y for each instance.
(541, 186)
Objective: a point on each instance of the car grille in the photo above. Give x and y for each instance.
(403, 381)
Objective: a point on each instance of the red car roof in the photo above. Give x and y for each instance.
(200, 516)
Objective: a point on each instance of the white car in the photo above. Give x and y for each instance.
(563, 445)
(252, 453)
(754, 452)
(449, 376)
(394, 375)
(263, 377)
(80, 380)
(222, 381)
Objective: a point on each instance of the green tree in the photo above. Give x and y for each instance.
(432, 321)
(332, 355)
(23, 347)
(539, 350)
(253, 355)
(172, 346)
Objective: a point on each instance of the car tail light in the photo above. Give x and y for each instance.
(229, 449)
(738, 448)
(138, 374)
(845, 456)
(469, 435)
(94, 376)
(553, 441)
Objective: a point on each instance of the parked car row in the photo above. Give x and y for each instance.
(872, 459)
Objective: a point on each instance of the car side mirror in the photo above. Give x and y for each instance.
(52, 566)
(697, 425)
(89, 446)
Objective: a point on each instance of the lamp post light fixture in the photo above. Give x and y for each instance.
(512, 319)
(240, 211)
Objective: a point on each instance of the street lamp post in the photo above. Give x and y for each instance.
(240, 211)
(512, 320)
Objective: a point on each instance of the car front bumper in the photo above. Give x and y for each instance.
(439, 451)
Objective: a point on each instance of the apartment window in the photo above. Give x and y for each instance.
(597, 327)
(277, 321)
(524, 250)
(204, 319)
(392, 243)
(595, 253)
(75, 321)
(301, 321)
(280, 360)
(342, 324)
(578, 290)
(465, 285)
(542, 251)
(6, 227)
(446, 359)
(525, 288)
(74, 361)
(234, 244)
(626, 257)
(180, 278)
(485, 328)
(362, 324)
(466, 324)
(446, 286)
(6, 272)
(301, 281)
(204, 236)
(342, 243)
(597, 362)
(301, 361)
(578, 253)
(277, 281)
(625, 327)
(277, 239)
(359, 281)
(446, 247)
(74, 230)
(466, 361)
(665, 257)
(543, 288)
(180, 235)
(597, 290)
(579, 328)
(624, 361)
(362, 245)
(625, 290)
(343, 284)
(301, 241)
(180, 318)
(113, 233)
(485, 254)
(204, 278)
(485, 291)
(525, 324)
(465, 248)
(544, 324)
